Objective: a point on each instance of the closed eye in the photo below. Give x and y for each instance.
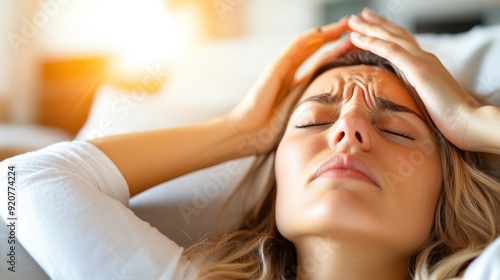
(400, 134)
(312, 124)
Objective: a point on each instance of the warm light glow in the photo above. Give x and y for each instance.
(137, 33)
(151, 37)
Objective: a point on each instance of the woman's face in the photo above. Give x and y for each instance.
(357, 161)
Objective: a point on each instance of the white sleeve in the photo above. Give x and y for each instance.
(487, 265)
(72, 217)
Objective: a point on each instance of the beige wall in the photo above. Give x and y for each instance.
(5, 10)
(22, 62)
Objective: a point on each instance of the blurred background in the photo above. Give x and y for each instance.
(55, 54)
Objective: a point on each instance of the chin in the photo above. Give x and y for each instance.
(340, 213)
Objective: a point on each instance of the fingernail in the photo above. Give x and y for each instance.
(355, 18)
(355, 35)
(343, 18)
(366, 9)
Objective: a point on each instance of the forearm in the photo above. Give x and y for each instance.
(70, 191)
(148, 158)
(485, 126)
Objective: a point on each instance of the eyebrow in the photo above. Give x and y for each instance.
(382, 104)
(324, 98)
(387, 105)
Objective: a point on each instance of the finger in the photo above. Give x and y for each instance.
(274, 85)
(306, 44)
(300, 82)
(331, 31)
(285, 106)
(416, 69)
(380, 28)
(389, 50)
(339, 50)
(372, 17)
(394, 33)
(271, 87)
(287, 81)
(281, 72)
(342, 48)
(286, 65)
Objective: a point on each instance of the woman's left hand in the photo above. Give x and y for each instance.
(449, 105)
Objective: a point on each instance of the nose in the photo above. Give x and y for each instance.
(351, 131)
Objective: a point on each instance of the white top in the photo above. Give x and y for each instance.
(72, 217)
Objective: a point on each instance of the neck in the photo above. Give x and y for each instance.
(325, 259)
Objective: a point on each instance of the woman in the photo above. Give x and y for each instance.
(367, 186)
(447, 210)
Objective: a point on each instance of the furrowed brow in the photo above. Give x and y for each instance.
(324, 98)
(382, 104)
(387, 105)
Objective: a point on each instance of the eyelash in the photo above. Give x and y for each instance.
(312, 124)
(400, 134)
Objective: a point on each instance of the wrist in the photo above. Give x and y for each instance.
(235, 142)
(230, 123)
(484, 125)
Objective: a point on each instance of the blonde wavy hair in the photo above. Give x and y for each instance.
(467, 217)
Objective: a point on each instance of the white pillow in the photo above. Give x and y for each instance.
(472, 58)
(209, 83)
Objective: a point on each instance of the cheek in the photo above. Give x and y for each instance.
(420, 165)
(429, 178)
(290, 158)
(416, 186)
(284, 189)
(294, 159)
(287, 169)
(292, 169)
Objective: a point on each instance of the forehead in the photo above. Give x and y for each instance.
(372, 81)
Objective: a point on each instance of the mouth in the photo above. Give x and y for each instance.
(348, 167)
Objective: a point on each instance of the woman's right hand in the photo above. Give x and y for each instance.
(263, 113)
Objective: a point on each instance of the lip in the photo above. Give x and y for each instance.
(346, 166)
